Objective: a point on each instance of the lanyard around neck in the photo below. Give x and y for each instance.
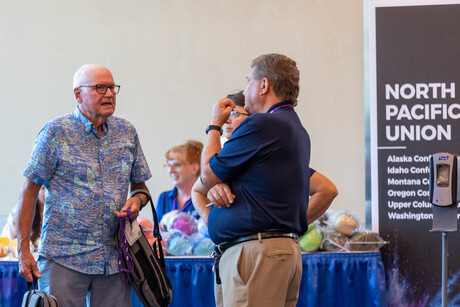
(175, 205)
(286, 106)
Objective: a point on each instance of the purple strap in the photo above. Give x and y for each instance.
(176, 207)
(286, 106)
(123, 246)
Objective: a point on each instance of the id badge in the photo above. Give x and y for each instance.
(132, 232)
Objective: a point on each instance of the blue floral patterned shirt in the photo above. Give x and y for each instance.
(87, 178)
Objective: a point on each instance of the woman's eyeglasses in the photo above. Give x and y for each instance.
(172, 165)
(235, 114)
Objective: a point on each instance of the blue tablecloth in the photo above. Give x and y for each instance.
(329, 279)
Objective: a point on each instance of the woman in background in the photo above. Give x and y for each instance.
(183, 164)
(238, 114)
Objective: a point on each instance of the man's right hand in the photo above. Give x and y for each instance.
(28, 265)
(221, 195)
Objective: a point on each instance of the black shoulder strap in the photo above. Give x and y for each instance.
(156, 228)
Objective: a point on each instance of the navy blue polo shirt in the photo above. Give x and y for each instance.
(266, 165)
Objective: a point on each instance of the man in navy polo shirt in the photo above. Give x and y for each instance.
(266, 164)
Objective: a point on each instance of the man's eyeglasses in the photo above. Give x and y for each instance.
(172, 165)
(102, 88)
(235, 114)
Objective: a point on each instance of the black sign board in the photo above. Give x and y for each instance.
(415, 112)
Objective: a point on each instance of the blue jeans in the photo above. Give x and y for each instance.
(72, 288)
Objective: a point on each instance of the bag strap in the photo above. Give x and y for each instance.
(123, 250)
(156, 228)
(33, 284)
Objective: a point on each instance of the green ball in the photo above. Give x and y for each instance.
(310, 227)
(311, 240)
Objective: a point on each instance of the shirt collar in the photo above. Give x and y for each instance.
(280, 104)
(86, 122)
(173, 193)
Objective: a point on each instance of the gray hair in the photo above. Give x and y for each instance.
(281, 71)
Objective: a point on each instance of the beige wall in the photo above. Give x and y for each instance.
(174, 59)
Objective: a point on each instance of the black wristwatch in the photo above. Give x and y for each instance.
(214, 127)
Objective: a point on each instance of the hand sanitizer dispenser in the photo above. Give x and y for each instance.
(444, 195)
(443, 179)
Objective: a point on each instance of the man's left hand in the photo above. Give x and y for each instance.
(135, 204)
(221, 195)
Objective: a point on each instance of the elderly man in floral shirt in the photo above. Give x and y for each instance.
(87, 160)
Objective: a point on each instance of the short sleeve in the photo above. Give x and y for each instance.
(43, 160)
(140, 171)
(238, 151)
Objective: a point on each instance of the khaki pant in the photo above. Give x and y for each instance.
(262, 273)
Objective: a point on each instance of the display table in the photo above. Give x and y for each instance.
(328, 279)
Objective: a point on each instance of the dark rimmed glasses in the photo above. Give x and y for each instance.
(235, 114)
(102, 88)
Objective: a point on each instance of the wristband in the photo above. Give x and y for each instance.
(140, 198)
(145, 192)
(214, 127)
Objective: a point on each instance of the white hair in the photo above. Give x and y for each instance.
(81, 74)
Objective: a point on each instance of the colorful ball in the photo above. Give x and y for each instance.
(204, 248)
(311, 240)
(178, 244)
(203, 228)
(184, 222)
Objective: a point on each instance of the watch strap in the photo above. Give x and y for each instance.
(214, 127)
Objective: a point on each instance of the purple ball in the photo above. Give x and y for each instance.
(185, 223)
